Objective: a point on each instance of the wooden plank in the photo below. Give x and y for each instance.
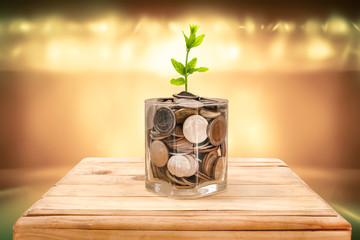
(223, 214)
(79, 234)
(216, 202)
(119, 170)
(193, 223)
(139, 159)
(141, 165)
(137, 189)
(253, 175)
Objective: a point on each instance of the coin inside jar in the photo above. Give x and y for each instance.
(159, 153)
(177, 132)
(194, 165)
(189, 103)
(209, 113)
(182, 166)
(219, 168)
(208, 163)
(150, 117)
(182, 114)
(164, 120)
(194, 129)
(217, 130)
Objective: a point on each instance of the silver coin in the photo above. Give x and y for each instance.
(164, 120)
(189, 103)
(194, 129)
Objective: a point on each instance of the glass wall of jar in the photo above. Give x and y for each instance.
(186, 145)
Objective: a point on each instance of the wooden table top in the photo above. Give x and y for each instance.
(105, 198)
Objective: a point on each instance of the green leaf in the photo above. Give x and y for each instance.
(190, 41)
(193, 29)
(198, 40)
(191, 64)
(179, 67)
(186, 38)
(177, 81)
(202, 69)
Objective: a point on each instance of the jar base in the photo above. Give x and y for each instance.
(191, 193)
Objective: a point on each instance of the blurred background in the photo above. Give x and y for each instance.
(74, 77)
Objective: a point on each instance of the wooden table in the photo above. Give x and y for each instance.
(105, 198)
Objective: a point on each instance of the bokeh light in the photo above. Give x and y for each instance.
(116, 43)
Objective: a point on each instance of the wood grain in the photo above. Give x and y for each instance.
(105, 198)
(137, 190)
(80, 234)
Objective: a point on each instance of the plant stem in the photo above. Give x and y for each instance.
(186, 62)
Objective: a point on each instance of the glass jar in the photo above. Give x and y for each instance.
(186, 145)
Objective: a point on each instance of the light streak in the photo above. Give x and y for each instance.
(275, 27)
(356, 26)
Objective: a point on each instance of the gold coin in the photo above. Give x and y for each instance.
(159, 153)
(209, 113)
(217, 130)
(174, 179)
(150, 112)
(177, 131)
(223, 149)
(219, 168)
(182, 114)
(208, 163)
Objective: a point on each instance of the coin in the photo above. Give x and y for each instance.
(209, 148)
(177, 132)
(174, 179)
(194, 166)
(179, 144)
(219, 168)
(150, 117)
(194, 129)
(154, 170)
(164, 120)
(185, 94)
(217, 130)
(157, 136)
(165, 100)
(178, 165)
(162, 174)
(208, 163)
(189, 103)
(223, 149)
(182, 114)
(182, 166)
(188, 182)
(159, 153)
(202, 176)
(209, 113)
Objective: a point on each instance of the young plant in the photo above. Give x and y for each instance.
(189, 67)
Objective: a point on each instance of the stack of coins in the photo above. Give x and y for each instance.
(186, 140)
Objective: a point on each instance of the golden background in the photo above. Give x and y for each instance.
(73, 83)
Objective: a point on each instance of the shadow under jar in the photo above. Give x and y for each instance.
(186, 145)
